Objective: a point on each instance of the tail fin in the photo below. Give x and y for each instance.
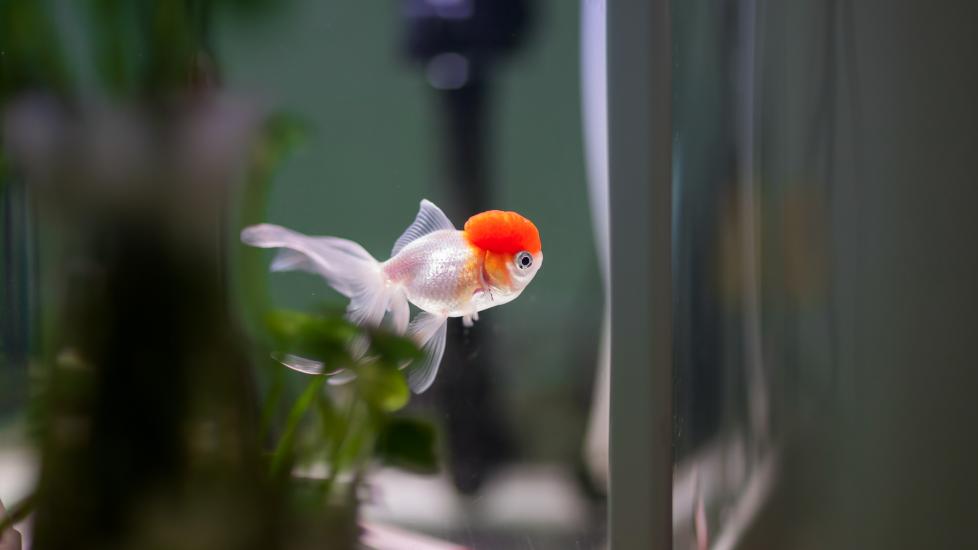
(345, 265)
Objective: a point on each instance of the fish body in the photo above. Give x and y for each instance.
(440, 273)
(443, 271)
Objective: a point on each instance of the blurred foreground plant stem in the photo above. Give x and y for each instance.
(148, 428)
(150, 435)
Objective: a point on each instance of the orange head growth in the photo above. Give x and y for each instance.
(503, 232)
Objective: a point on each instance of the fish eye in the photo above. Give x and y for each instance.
(524, 260)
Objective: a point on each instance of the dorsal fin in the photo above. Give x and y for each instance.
(430, 218)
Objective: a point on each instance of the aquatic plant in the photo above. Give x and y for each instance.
(161, 418)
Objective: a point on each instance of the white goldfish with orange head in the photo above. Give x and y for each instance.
(441, 270)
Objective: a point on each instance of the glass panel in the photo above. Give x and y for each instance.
(722, 222)
(822, 290)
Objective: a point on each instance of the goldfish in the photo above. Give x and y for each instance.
(442, 271)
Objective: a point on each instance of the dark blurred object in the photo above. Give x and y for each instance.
(143, 398)
(30, 58)
(18, 297)
(481, 30)
(458, 44)
(149, 427)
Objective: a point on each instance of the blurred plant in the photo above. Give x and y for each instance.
(354, 422)
(147, 406)
(146, 48)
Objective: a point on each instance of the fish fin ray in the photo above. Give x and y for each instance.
(430, 218)
(400, 311)
(300, 364)
(290, 260)
(429, 331)
(345, 265)
(340, 377)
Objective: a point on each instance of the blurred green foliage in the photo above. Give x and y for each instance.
(353, 423)
(316, 337)
(31, 52)
(140, 47)
(408, 443)
(146, 52)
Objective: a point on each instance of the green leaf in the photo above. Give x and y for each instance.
(383, 387)
(393, 349)
(283, 451)
(322, 338)
(284, 133)
(408, 443)
(272, 401)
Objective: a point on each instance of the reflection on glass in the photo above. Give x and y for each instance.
(821, 287)
(753, 318)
